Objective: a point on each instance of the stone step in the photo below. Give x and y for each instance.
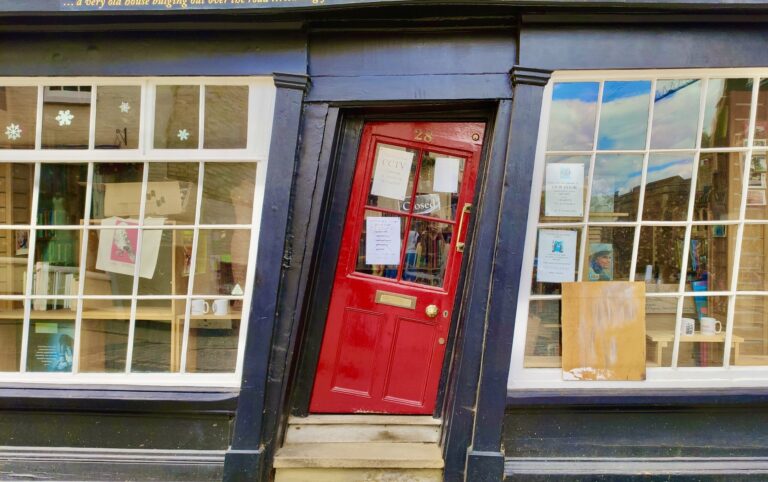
(359, 456)
(361, 433)
(359, 475)
(365, 420)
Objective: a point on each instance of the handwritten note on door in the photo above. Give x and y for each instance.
(390, 177)
(382, 240)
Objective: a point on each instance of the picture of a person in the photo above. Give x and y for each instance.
(601, 263)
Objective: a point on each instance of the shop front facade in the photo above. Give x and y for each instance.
(220, 221)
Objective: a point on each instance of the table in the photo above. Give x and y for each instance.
(662, 339)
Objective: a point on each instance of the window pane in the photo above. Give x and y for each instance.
(14, 252)
(660, 255)
(112, 258)
(726, 113)
(226, 116)
(761, 122)
(572, 116)
(711, 258)
(162, 270)
(228, 193)
(158, 335)
(116, 190)
(18, 117)
(118, 114)
(660, 317)
(104, 336)
(615, 187)
(562, 188)
(384, 260)
(624, 115)
(66, 117)
(562, 248)
(226, 254)
(51, 340)
(426, 265)
(543, 334)
(172, 191)
(750, 331)
(56, 270)
(11, 326)
(62, 194)
(212, 345)
(754, 252)
(676, 114)
(718, 186)
(392, 178)
(668, 187)
(437, 191)
(756, 203)
(177, 114)
(609, 254)
(704, 348)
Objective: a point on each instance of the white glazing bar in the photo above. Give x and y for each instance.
(137, 266)
(689, 218)
(82, 267)
(643, 179)
(588, 194)
(92, 120)
(30, 268)
(201, 119)
(39, 120)
(192, 267)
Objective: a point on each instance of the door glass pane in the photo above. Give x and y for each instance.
(437, 192)
(380, 244)
(668, 187)
(228, 193)
(572, 116)
(660, 320)
(726, 113)
(750, 338)
(615, 187)
(756, 202)
(705, 347)
(66, 116)
(609, 253)
(226, 116)
(56, 268)
(51, 340)
(718, 186)
(116, 190)
(18, 117)
(212, 345)
(676, 114)
(157, 336)
(565, 181)
(118, 113)
(14, 252)
(172, 191)
(754, 253)
(542, 339)
(711, 258)
(659, 257)
(177, 116)
(11, 326)
(394, 168)
(624, 115)
(557, 251)
(222, 262)
(62, 194)
(428, 258)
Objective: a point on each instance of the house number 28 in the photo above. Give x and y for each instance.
(421, 135)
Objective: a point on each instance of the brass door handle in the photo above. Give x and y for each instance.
(464, 211)
(431, 311)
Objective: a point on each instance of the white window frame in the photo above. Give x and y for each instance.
(261, 103)
(521, 378)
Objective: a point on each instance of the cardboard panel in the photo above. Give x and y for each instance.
(603, 330)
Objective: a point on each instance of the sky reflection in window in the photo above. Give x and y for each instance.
(624, 115)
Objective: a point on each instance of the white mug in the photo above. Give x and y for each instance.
(710, 326)
(200, 307)
(220, 307)
(687, 326)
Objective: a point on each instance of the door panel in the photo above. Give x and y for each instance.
(398, 267)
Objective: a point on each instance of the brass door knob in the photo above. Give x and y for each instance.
(431, 311)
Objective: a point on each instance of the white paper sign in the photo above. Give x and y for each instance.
(382, 240)
(446, 178)
(390, 177)
(556, 256)
(117, 247)
(564, 190)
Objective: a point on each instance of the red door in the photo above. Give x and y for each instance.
(398, 267)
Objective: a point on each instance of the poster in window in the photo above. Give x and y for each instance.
(390, 176)
(556, 261)
(600, 262)
(118, 247)
(564, 190)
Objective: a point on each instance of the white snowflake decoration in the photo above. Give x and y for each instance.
(183, 134)
(13, 131)
(65, 117)
(125, 107)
